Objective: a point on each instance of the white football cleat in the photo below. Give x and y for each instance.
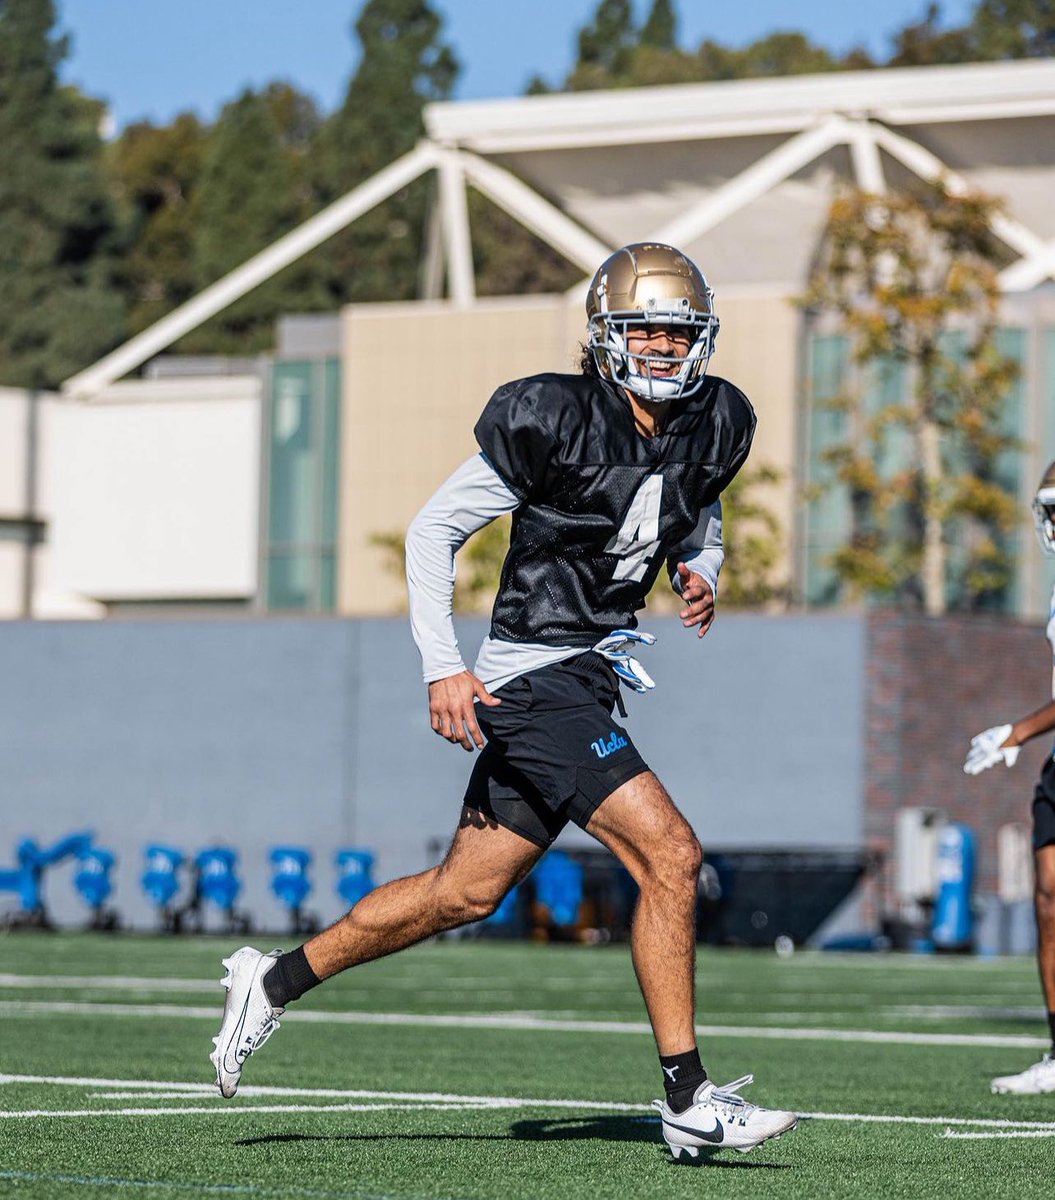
(249, 1018)
(1033, 1081)
(720, 1119)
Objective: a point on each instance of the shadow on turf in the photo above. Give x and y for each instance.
(566, 1129)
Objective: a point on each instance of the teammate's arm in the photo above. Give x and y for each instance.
(695, 570)
(472, 498)
(1001, 743)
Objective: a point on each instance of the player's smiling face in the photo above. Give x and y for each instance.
(655, 343)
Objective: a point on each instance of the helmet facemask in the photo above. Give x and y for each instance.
(1044, 518)
(608, 335)
(645, 286)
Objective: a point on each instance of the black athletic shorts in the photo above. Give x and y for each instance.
(553, 750)
(1044, 807)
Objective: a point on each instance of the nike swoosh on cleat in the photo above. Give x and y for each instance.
(238, 1035)
(716, 1135)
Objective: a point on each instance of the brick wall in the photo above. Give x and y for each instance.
(932, 683)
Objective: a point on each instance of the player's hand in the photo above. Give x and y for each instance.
(990, 747)
(452, 711)
(699, 600)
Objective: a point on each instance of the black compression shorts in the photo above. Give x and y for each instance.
(553, 750)
(1044, 807)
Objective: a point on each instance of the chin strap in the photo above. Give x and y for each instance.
(630, 671)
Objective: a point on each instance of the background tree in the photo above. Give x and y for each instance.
(912, 279)
(59, 304)
(404, 65)
(1010, 29)
(250, 193)
(614, 52)
(155, 172)
(754, 542)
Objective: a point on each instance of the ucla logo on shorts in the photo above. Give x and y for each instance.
(609, 745)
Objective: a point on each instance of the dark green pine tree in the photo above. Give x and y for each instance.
(605, 48)
(59, 308)
(1005, 29)
(660, 30)
(249, 195)
(404, 65)
(156, 171)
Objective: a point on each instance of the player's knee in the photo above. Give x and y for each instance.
(677, 865)
(461, 902)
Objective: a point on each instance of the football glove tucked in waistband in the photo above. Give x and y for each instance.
(630, 671)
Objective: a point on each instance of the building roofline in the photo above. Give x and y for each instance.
(897, 95)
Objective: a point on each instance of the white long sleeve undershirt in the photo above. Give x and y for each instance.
(471, 498)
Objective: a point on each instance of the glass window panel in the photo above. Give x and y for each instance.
(303, 485)
(331, 449)
(827, 516)
(292, 505)
(291, 581)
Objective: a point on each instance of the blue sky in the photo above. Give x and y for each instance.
(150, 59)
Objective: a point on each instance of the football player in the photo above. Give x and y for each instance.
(609, 475)
(1001, 744)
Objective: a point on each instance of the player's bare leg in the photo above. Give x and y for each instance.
(1044, 907)
(640, 825)
(485, 860)
(1039, 1078)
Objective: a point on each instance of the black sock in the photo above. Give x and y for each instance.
(1051, 1026)
(682, 1075)
(289, 978)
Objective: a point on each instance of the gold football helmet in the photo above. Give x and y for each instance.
(648, 283)
(1044, 510)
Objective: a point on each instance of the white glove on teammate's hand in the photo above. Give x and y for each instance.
(987, 750)
(629, 670)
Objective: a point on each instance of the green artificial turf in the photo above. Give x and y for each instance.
(120, 1026)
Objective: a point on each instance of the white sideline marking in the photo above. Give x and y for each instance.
(438, 1102)
(234, 1110)
(523, 1021)
(1010, 1133)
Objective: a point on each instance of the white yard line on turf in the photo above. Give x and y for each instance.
(523, 1021)
(410, 1101)
(1009, 1133)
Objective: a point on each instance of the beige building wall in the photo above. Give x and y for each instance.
(416, 377)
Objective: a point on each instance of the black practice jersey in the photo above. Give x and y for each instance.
(602, 507)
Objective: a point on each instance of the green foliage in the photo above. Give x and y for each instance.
(155, 173)
(754, 542)
(59, 307)
(404, 65)
(997, 31)
(614, 53)
(912, 279)
(509, 260)
(249, 193)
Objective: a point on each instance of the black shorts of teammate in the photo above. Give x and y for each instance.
(553, 751)
(1044, 807)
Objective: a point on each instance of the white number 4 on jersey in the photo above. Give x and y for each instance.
(638, 536)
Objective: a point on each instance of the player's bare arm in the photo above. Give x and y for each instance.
(452, 708)
(1024, 730)
(699, 600)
